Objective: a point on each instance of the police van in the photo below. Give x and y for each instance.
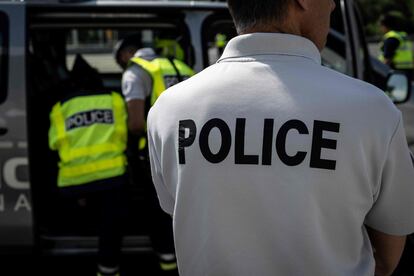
(44, 44)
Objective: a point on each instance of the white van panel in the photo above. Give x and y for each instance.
(15, 202)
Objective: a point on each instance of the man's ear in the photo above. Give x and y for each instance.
(303, 4)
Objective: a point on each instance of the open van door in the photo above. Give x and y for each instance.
(61, 36)
(15, 205)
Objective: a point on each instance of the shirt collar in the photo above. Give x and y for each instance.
(271, 44)
(145, 53)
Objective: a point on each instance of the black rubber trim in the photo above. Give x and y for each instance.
(4, 56)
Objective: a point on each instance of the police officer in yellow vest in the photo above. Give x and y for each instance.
(221, 42)
(168, 47)
(89, 131)
(397, 49)
(146, 76)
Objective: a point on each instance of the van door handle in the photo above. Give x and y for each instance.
(3, 131)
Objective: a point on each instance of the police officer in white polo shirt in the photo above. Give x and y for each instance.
(137, 88)
(272, 164)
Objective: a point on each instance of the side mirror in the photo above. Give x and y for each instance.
(398, 87)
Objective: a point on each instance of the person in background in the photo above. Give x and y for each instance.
(88, 128)
(220, 41)
(397, 50)
(146, 75)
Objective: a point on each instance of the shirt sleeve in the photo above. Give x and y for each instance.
(393, 209)
(136, 84)
(390, 47)
(164, 196)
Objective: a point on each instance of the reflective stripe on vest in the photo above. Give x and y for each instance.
(80, 170)
(160, 70)
(404, 55)
(90, 133)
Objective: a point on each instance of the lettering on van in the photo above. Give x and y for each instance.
(12, 178)
(19, 203)
(90, 117)
(187, 134)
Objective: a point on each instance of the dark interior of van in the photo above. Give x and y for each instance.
(64, 53)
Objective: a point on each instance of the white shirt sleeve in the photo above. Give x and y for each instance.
(166, 199)
(393, 209)
(136, 84)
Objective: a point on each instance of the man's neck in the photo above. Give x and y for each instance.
(287, 27)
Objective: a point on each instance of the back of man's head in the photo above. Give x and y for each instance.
(126, 48)
(306, 18)
(248, 14)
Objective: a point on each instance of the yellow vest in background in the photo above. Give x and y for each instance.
(163, 75)
(90, 133)
(221, 40)
(404, 56)
(169, 48)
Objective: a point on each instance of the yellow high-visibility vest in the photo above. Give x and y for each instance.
(404, 56)
(163, 75)
(90, 134)
(221, 40)
(169, 48)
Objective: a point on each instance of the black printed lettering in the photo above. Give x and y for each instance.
(225, 141)
(90, 117)
(108, 116)
(240, 157)
(78, 120)
(170, 80)
(87, 118)
(99, 115)
(267, 142)
(183, 141)
(318, 142)
(281, 142)
(187, 132)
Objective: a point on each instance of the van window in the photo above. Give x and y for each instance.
(95, 47)
(334, 53)
(217, 31)
(4, 55)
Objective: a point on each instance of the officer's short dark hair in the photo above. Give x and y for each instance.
(130, 42)
(250, 13)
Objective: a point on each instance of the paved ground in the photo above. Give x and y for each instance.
(132, 265)
(142, 265)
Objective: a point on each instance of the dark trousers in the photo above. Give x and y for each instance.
(160, 223)
(108, 199)
(111, 226)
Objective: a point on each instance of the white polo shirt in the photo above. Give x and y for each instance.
(271, 164)
(136, 82)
